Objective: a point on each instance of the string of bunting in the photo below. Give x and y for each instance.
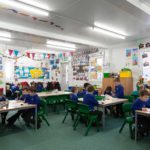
(33, 17)
(15, 54)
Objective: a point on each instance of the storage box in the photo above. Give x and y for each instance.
(106, 75)
(125, 74)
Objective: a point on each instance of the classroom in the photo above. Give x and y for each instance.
(74, 74)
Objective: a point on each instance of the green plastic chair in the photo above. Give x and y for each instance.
(135, 94)
(129, 119)
(130, 98)
(42, 112)
(71, 107)
(99, 98)
(84, 112)
(53, 101)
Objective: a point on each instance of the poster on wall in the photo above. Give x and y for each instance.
(135, 56)
(128, 57)
(96, 69)
(31, 73)
(80, 65)
(146, 65)
(128, 52)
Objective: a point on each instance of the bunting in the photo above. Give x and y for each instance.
(33, 55)
(10, 52)
(16, 52)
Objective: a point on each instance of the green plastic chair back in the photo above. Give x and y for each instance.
(127, 109)
(99, 98)
(83, 109)
(43, 104)
(71, 105)
(130, 98)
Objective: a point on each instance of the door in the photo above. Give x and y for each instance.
(64, 75)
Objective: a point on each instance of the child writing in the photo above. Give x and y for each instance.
(89, 99)
(141, 104)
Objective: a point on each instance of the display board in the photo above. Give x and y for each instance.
(31, 73)
(96, 69)
(146, 65)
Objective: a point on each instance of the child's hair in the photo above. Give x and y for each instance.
(73, 90)
(144, 93)
(25, 89)
(117, 80)
(108, 88)
(90, 88)
(32, 89)
(86, 85)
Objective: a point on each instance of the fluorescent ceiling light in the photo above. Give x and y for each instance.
(61, 48)
(141, 4)
(104, 29)
(22, 6)
(109, 33)
(5, 34)
(35, 3)
(61, 44)
(4, 39)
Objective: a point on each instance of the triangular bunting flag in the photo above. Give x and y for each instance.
(28, 55)
(33, 55)
(16, 52)
(10, 52)
(44, 55)
(48, 56)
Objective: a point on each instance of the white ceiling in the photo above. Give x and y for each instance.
(77, 17)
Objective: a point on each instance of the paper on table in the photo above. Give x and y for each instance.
(148, 109)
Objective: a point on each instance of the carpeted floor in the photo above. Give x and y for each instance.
(62, 137)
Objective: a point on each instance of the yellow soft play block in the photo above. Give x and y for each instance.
(125, 74)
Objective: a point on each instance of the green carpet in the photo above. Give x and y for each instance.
(62, 137)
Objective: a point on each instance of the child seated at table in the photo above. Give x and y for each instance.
(108, 91)
(29, 115)
(89, 99)
(74, 98)
(84, 91)
(4, 114)
(141, 104)
(119, 93)
(26, 98)
(74, 95)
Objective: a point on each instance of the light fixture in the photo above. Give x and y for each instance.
(61, 48)
(4, 39)
(35, 3)
(104, 29)
(25, 7)
(5, 36)
(144, 5)
(61, 45)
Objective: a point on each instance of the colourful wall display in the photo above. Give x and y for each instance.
(146, 65)
(31, 73)
(96, 69)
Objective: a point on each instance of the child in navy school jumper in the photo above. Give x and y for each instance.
(119, 93)
(26, 98)
(4, 114)
(74, 95)
(74, 98)
(141, 104)
(29, 115)
(89, 99)
(84, 91)
(108, 91)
